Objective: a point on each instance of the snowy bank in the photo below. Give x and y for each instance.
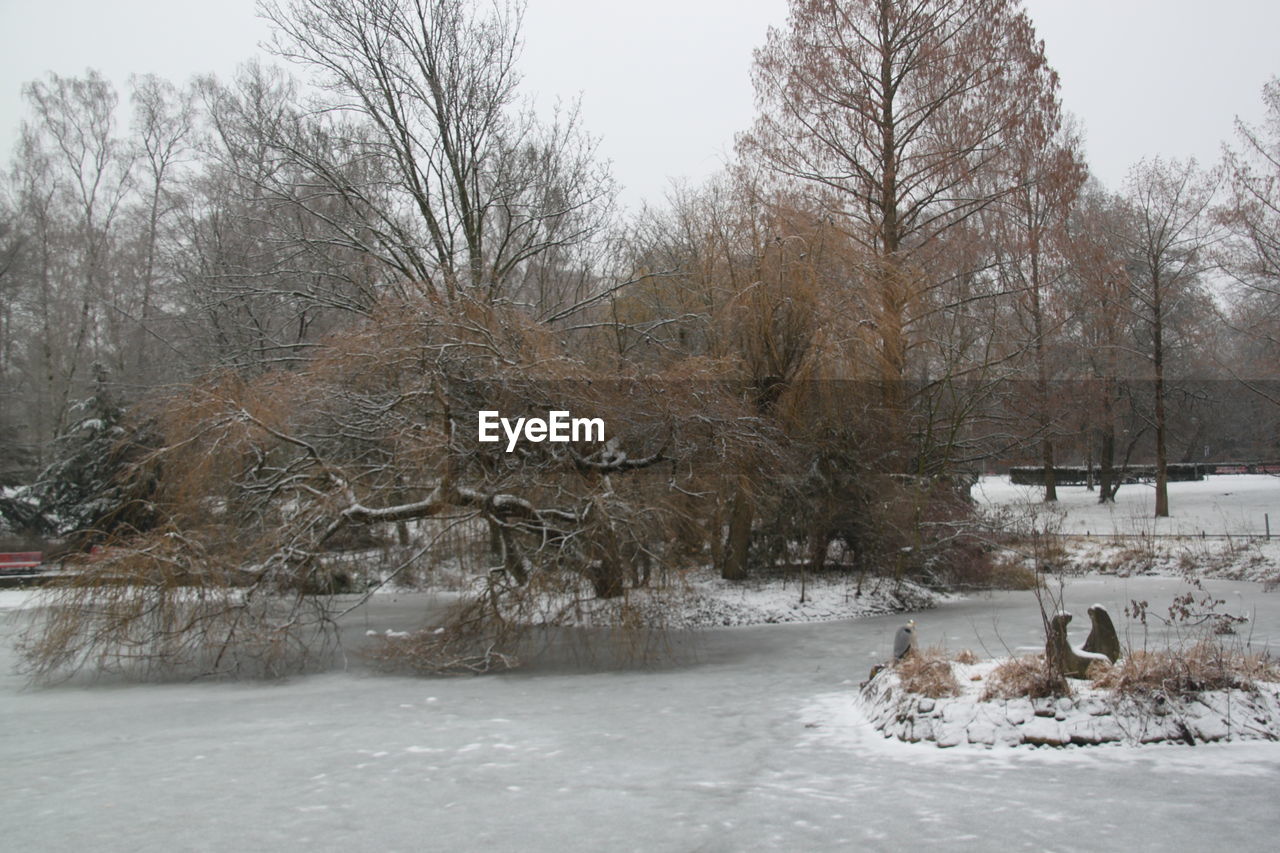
(1090, 717)
(1242, 559)
(1218, 527)
(1219, 505)
(702, 599)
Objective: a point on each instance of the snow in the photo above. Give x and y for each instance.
(1239, 559)
(748, 739)
(1089, 717)
(1230, 511)
(1219, 505)
(702, 599)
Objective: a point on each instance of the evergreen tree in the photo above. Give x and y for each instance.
(83, 489)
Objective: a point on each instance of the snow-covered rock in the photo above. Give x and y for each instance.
(1090, 717)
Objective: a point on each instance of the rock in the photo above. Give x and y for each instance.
(958, 712)
(1018, 711)
(1153, 734)
(1043, 732)
(1082, 731)
(1108, 730)
(924, 729)
(982, 732)
(926, 706)
(1010, 736)
(951, 735)
(1210, 728)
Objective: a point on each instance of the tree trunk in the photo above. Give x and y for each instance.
(1157, 358)
(1050, 479)
(737, 546)
(1107, 447)
(1042, 378)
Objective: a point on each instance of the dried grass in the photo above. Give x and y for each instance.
(1204, 666)
(928, 672)
(1025, 676)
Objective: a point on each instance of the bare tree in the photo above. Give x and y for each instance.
(164, 129)
(1028, 232)
(1168, 238)
(1253, 212)
(76, 178)
(265, 477)
(465, 188)
(1102, 308)
(1251, 252)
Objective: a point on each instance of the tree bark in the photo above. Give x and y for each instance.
(737, 546)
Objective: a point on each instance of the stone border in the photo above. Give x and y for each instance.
(1090, 717)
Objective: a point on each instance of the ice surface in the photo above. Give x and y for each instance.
(751, 740)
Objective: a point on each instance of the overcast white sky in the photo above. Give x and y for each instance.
(666, 83)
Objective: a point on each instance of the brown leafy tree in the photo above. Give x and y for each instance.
(895, 114)
(1101, 302)
(266, 477)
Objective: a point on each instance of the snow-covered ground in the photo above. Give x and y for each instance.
(751, 738)
(1233, 504)
(1231, 512)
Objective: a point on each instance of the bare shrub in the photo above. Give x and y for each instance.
(1042, 554)
(1007, 571)
(1024, 676)
(965, 656)
(928, 672)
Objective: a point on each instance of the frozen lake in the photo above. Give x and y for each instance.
(751, 742)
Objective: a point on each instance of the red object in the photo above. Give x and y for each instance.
(20, 560)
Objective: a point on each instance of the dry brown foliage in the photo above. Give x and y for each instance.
(928, 672)
(1205, 666)
(1006, 571)
(263, 479)
(495, 628)
(164, 605)
(965, 656)
(1024, 676)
